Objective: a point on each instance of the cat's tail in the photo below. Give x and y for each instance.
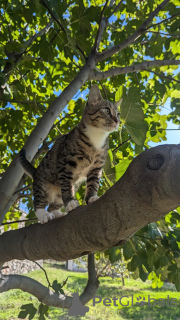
(28, 167)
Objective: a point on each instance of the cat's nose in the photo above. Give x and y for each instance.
(116, 119)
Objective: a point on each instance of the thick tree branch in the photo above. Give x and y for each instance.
(47, 296)
(95, 75)
(108, 53)
(152, 182)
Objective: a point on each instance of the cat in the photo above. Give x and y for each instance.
(77, 156)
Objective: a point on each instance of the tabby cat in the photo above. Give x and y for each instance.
(75, 157)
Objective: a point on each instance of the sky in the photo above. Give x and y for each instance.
(173, 132)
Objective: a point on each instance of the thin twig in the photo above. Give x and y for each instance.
(164, 34)
(148, 237)
(23, 189)
(23, 101)
(18, 221)
(162, 75)
(102, 25)
(158, 23)
(49, 284)
(67, 116)
(162, 129)
(61, 26)
(116, 8)
(109, 52)
(121, 145)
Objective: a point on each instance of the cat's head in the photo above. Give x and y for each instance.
(100, 113)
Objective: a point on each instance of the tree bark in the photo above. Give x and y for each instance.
(98, 75)
(45, 294)
(148, 190)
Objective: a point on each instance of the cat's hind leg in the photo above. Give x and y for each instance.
(41, 202)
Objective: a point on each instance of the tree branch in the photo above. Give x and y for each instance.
(95, 75)
(163, 76)
(114, 150)
(152, 182)
(42, 293)
(102, 25)
(93, 283)
(164, 34)
(15, 56)
(60, 25)
(19, 221)
(47, 296)
(103, 22)
(108, 53)
(116, 8)
(158, 23)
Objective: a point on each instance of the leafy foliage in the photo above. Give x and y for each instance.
(43, 45)
(27, 310)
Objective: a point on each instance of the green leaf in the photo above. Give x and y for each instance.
(27, 310)
(128, 250)
(119, 94)
(143, 275)
(114, 254)
(57, 287)
(43, 311)
(121, 168)
(133, 117)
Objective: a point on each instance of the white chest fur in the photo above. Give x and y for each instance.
(97, 136)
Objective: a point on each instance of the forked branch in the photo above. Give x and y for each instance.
(47, 296)
(108, 53)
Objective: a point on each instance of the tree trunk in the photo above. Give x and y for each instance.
(149, 189)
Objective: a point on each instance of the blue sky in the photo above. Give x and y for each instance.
(173, 132)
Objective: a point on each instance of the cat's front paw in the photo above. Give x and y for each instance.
(73, 204)
(58, 213)
(44, 216)
(92, 199)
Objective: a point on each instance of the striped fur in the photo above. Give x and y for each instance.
(75, 157)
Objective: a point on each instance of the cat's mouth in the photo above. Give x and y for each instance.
(112, 126)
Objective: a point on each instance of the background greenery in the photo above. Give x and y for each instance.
(11, 302)
(43, 45)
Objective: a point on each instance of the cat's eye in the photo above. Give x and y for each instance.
(107, 110)
(118, 114)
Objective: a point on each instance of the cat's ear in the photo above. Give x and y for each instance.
(94, 95)
(118, 103)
